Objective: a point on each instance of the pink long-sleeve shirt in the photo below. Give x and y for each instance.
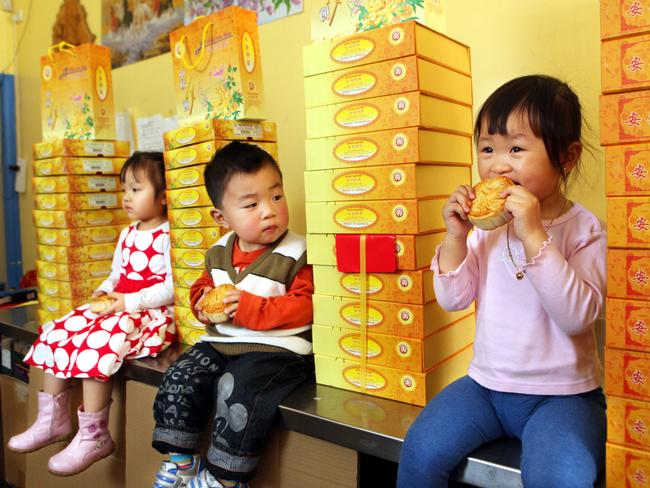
(534, 336)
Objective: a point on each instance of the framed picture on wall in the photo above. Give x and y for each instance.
(267, 10)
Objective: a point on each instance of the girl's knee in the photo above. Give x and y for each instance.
(564, 475)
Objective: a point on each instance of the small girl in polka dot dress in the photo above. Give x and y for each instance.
(92, 346)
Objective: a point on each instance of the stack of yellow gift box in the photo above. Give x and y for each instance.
(77, 197)
(78, 219)
(625, 133)
(389, 123)
(193, 231)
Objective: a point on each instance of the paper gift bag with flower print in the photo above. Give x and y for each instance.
(217, 69)
(333, 18)
(77, 93)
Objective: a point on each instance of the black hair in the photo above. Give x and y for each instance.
(234, 158)
(152, 164)
(553, 109)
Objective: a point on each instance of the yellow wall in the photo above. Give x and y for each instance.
(508, 38)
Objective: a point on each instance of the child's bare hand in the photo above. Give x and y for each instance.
(456, 209)
(117, 306)
(197, 307)
(232, 297)
(525, 210)
(98, 293)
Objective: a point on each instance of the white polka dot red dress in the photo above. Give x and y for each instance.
(85, 345)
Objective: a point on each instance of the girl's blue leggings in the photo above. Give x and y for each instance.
(562, 436)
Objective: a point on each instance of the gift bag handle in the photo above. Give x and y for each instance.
(198, 60)
(62, 46)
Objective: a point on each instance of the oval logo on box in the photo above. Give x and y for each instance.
(354, 150)
(352, 84)
(48, 237)
(354, 183)
(248, 52)
(185, 135)
(192, 238)
(355, 217)
(103, 235)
(356, 116)
(185, 156)
(47, 253)
(49, 270)
(191, 276)
(187, 198)
(188, 177)
(43, 167)
(100, 217)
(352, 315)
(191, 218)
(352, 345)
(45, 219)
(46, 201)
(352, 50)
(101, 83)
(374, 380)
(193, 259)
(352, 283)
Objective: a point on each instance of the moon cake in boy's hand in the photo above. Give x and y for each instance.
(212, 304)
(488, 208)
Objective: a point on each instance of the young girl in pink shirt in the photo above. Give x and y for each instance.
(92, 347)
(539, 284)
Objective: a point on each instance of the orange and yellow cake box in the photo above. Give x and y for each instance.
(628, 222)
(202, 153)
(73, 272)
(190, 217)
(78, 166)
(222, 131)
(68, 289)
(628, 273)
(389, 42)
(396, 384)
(628, 169)
(75, 183)
(77, 94)
(43, 316)
(624, 64)
(188, 258)
(625, 118)
(417, 355)
(375, 217)
(201, 238)
(628, 324)
(181, 296)
(627, 373)
(60, 306)
(628, 422)
(67, 219)
(78, 237)
(389, 147)
(392, 318)
(196, 196)
(385, 78)
(188, 328)
(415, 287)
(74, 147)
(329, 20)
(385, 182)
(626, 467)
(185, 177)
(185, 277)
(80, 254)
(623, 18)
(388, 112)
(411, 251)
(217, 67)
(77, 201)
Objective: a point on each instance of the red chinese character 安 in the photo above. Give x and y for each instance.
(636, 9)
(636, 64)
(639, 172)
(633, 119)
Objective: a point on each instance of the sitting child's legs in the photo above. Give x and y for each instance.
(454, 423)
(246, 402)
(563, 443)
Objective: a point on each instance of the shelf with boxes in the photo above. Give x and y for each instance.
(625, 133)
(389, 123)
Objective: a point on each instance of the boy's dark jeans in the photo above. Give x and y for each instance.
(241, 392)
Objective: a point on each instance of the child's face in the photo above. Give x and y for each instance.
(254, 206)
(520, 155)
(139, 198)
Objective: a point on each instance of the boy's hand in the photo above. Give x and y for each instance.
(197, 306)
(232, 297)
(455, 212)
(117, 306)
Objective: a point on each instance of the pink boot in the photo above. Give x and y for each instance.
(52, 424)
(92, 443)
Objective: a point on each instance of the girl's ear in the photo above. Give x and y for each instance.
(219, 218)
(572, 156)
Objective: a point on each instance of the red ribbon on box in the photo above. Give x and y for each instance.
(380, 253)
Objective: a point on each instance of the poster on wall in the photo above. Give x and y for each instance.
(138, 29)
(267, 10)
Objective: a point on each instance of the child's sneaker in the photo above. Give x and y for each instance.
(204, 479)
(170, 476)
